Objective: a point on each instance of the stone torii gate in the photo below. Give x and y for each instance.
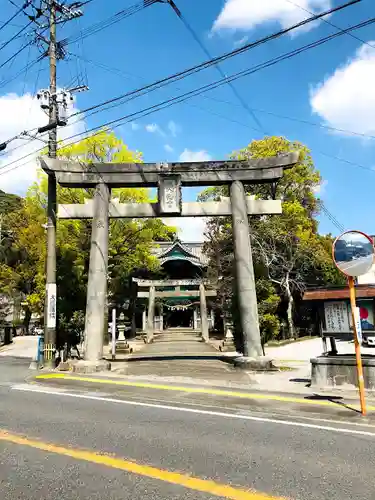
(168, 178)
(151, 295)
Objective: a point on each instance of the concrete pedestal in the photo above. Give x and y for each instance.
(91, 366)
(341, 372)
(260, 363)
(122, 346)
(228, 344)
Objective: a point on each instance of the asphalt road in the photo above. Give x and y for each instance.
(90, 443)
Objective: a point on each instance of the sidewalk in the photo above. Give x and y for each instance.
(188, 361)
(21, 347)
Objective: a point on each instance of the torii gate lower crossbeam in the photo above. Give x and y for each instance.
(169, 178)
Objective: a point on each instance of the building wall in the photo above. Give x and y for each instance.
(368, 278)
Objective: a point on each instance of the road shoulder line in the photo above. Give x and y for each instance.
(198, 390)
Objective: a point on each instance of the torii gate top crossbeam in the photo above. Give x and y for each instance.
(76, 174)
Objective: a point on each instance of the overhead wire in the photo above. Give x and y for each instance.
(213, 85)
(239, 50)
(238, 96)
(20, 72)
(329, 23)
(181, 98)
(126, 75)
(110, 21)
(5, 44)
(20, 9)
(199, 67)
(355, 37)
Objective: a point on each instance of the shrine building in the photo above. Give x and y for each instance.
(179, 298)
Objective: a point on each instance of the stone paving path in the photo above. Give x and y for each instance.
(180, 356)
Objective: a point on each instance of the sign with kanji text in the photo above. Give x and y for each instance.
(336, 317)
(358, 326)
(51, 305)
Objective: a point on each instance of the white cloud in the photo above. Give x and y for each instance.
(321, 189)
(153, 128)
(240, 42)
(247, 14)
(168, 148)
(346, 99)
(24, 113)
(188, 155)
(189, 228)
(173, 128)
(134, 126)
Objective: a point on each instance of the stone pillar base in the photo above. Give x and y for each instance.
(340, 371)
(123, 347)
(261, 363)
(64, 366)
(227, 346)
(91, 366)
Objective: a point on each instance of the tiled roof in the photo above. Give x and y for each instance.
(361, 291)
(195, 249)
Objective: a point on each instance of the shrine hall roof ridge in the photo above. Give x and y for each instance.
(193, 251)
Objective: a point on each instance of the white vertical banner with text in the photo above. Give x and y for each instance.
(51, 305)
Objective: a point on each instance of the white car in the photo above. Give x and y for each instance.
(368, 340)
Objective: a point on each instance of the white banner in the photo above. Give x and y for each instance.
(358, 326)
(51, 305)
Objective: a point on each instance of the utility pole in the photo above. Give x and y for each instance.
(57, 11)
(50, 312)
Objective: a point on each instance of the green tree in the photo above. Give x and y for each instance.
(130, 240)
(9, 202)
(288, 252)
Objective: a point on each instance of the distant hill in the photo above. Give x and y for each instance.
(9, 202)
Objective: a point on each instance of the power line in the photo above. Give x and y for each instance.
(20, 9)
(333, 25)
(304, 121)
(22, 70)
(126, 75)
(12, 57)
(5, 44)
(332, 218)
(181, 98)
(221, 72)
(213, 85)
(206, 64)
(115, 18)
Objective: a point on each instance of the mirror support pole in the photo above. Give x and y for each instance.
(361, 384)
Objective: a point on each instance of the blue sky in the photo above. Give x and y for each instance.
(330, 85)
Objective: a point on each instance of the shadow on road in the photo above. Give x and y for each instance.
(338, 400)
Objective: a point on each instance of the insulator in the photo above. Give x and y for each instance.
(62, 115)
(43, 97)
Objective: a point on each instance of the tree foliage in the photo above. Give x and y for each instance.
(130, 241)
(288, 252)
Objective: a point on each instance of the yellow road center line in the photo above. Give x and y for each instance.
(193, 483)
(198, 390)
